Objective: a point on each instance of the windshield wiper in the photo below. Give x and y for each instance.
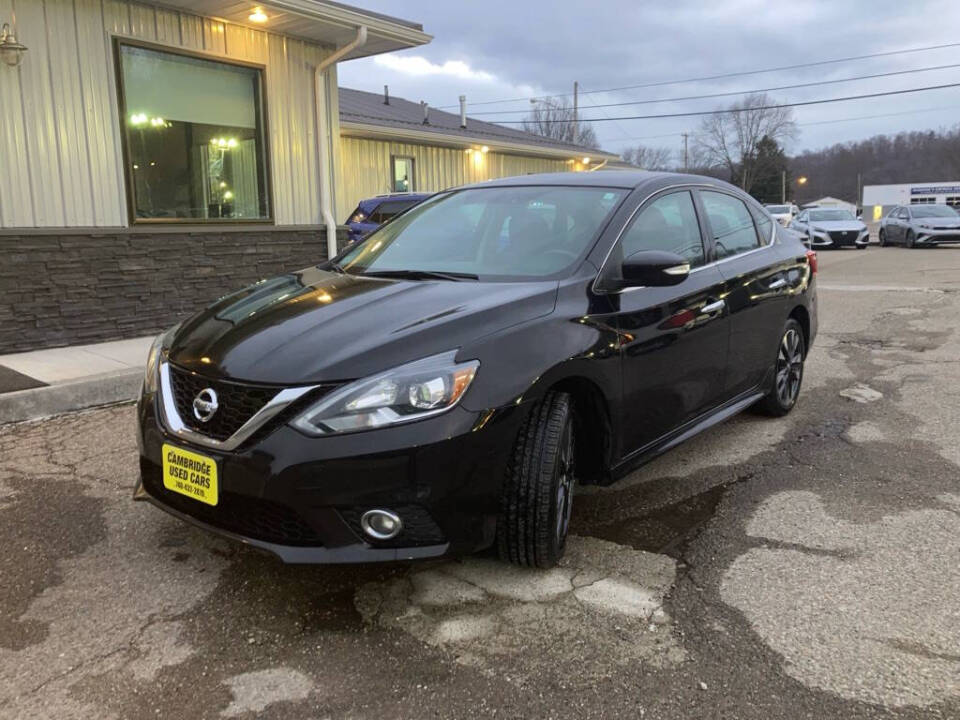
(421, 275)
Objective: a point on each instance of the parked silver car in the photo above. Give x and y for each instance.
(920, 225)
(831, 228)
(784, 213)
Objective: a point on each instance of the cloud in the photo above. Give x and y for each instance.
(420, 66)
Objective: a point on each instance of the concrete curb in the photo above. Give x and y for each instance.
(63, 397)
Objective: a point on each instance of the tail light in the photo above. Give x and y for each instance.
(812, 260)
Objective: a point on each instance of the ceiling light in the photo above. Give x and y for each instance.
(258, 15)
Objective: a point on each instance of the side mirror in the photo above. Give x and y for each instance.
(654, 268)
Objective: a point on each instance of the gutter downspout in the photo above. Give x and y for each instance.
(598, 166)
(324, 140)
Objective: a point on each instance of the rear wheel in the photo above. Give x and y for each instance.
(788, 372)
(538, 490)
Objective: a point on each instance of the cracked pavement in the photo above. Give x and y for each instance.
(807, 567)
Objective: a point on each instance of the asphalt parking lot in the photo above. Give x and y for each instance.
(807, 567)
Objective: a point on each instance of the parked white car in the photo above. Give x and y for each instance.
(783, 214)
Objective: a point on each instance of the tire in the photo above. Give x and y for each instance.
(538, 490)
(787, 372)
(861, 247)
(911, 241)
(883, 239)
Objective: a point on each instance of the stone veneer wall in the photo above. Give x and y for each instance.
(72, 287)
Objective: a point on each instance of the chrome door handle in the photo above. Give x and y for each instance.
(777, 284)
(713, 307)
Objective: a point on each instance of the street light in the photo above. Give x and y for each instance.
(802, 180)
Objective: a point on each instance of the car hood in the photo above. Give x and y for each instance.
(318, 326)
(937, 221)
(838, 225)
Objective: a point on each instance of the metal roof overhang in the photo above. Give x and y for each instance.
(438, 137)
(324, 23)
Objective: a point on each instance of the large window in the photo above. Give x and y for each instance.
(401, 173)
(194, 138)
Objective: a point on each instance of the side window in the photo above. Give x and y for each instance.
(730, 222)
(668, 223)
(764, 224)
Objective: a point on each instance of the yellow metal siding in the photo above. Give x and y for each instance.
(59, 119)
(365, 168)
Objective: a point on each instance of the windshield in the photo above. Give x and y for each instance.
(778, 209)
(920, 211)
(497, 233)
(831, 215)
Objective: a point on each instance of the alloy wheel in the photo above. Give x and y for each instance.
(565, 483)
(789, 367)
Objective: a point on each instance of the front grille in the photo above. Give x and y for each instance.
(238, 402)
(251, 517)
(843, 237)
(418, 527)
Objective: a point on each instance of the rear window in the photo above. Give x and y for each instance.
(389, 209)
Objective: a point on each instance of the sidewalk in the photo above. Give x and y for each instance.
(48, 382)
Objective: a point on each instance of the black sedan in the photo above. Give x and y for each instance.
(829, 228)
(442, 385)
(920, 226)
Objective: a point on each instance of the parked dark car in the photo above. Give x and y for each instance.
(441, 386)
(828, 228)
(920, 226)
(374, 212)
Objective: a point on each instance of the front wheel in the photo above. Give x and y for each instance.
(911, 239)
(538, 490)
(788, 372)
(883, 239)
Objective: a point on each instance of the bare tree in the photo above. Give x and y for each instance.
(729, 140)
(649, 158)
(553, 118)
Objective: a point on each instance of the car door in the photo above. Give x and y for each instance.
(759, 278)
(673, 339)
(899, 225)
(800, 223)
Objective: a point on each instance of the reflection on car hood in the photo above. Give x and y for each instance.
(837, 225)
(318, 326)
(937, 221)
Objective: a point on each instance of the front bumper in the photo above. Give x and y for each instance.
(835, 239)
(300, 498)
(936, 237)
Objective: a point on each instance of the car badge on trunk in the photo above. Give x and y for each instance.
(205, 405)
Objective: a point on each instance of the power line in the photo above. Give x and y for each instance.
(817, 122)
(742, 73)
(749, 109)
(745, 92)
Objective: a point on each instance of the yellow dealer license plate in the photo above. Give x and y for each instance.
(190, 474)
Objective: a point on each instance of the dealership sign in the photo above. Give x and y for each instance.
(936, 190)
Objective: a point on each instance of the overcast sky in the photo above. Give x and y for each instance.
(497, 49)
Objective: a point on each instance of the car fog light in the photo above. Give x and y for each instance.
(381, 524)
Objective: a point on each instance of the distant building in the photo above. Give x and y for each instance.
(832, 202)
(389, 144)
(878, 200)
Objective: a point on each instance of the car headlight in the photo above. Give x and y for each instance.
(404, 394)
(151, 374)
(926, 226)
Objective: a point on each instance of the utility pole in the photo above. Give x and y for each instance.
(576, 129)
(783, 187)
(685, 165)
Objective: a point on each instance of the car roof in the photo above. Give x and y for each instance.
(626, 179)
